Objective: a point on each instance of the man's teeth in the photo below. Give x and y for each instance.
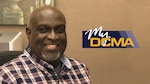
(51, 47)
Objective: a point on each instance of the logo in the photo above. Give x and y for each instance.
(96, 38)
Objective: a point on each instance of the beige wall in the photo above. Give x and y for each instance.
(107, 66)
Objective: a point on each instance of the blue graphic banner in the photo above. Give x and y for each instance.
(97, 38)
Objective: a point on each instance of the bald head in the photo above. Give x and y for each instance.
(44, 12)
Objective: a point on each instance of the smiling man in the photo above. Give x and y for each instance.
(43, 61)
(46, 34)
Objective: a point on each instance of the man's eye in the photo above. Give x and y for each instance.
(42, 29)
(60, 29)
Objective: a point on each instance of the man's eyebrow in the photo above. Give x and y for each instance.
(41, 25)
(48, 26)
(60, 25)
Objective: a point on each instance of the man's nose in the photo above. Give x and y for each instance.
(53, 35)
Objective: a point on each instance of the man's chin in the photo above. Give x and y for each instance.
(51, 56)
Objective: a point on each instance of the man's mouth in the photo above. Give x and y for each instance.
(51, 47)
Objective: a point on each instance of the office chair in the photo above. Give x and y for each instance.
(6, 56)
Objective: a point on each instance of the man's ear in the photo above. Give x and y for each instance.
(28, 32)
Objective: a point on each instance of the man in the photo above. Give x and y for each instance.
(43, 61)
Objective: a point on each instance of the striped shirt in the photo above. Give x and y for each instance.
(28, 69)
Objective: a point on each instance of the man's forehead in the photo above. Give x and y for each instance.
(47, 13)
(45, 10)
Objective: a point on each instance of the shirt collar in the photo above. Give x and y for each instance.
(65, 60)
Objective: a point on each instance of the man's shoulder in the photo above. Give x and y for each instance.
(74, 60)
(80, 69)
(76, 63)
(17, 61)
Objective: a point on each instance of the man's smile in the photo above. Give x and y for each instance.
(51, 47)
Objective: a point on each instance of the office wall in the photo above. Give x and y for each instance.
(107, 66)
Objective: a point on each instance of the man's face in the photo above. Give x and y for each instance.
(47, 37)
